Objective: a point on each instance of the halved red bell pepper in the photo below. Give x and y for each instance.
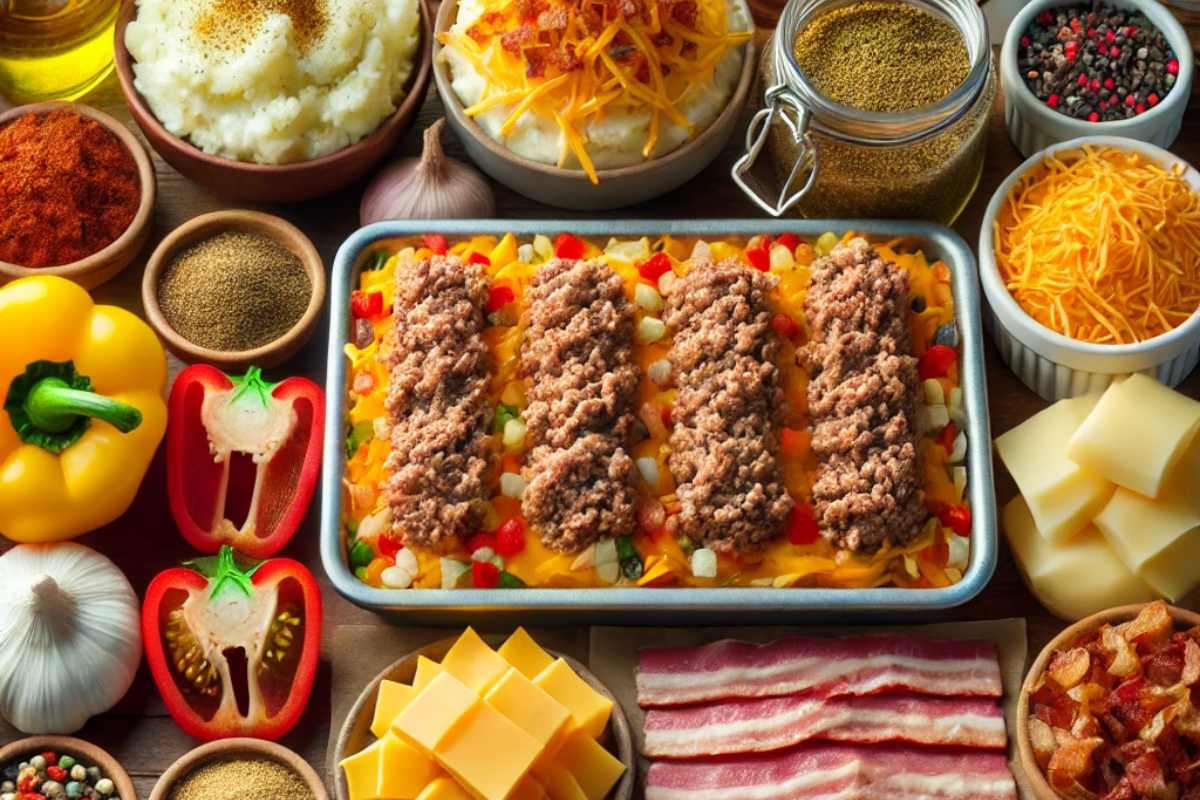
(243, 456)
(233, 646)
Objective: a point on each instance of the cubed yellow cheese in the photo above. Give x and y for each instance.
(403, 770)
(362, 772)
(528, 789)
(1074, 578)
(522, 652)
(1062, 495)
(595, 769)
(487, 753)
(1159, 540)
(444, 789)
(531, 708)
(560, 783)
(473, 662)
(435, 712)
(1138, 431)
(589, 709)
(427, 670)
(389, 702)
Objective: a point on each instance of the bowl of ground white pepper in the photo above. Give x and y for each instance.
(240, 769)
(234, 288)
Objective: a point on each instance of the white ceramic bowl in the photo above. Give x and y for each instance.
(1034, 126)
(1057, 366)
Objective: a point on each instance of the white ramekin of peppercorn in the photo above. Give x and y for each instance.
(61, 768)
(1109, 68)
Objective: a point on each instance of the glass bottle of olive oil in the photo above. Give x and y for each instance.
(54, 49)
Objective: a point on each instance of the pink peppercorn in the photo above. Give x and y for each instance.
(1173, 66)
(1094, 85)
(1152, 99)
(1026, 41)
(1093, 117)
(1140, 108)
(1052, 101)
(1109, 84)
(1114, 52)
(1082, 79)
(1130, 100)
(1109, 36)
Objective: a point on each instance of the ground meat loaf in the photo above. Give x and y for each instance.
(437, 401)
(724, 437)
(582, 382)
(861, 395)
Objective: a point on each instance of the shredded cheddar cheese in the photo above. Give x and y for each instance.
(575, 60)
(1102, 245)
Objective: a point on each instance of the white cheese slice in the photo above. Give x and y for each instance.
(1074, 578)
(1062, 495)
(1159, 540)
(1138, 431)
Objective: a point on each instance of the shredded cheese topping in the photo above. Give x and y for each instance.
(1102, 245)
(573, 60)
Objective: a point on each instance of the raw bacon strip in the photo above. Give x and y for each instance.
(774, 723)
(860, 666)
(837, 772)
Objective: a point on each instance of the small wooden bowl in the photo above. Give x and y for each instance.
(233, 748)
(356, 730)
(86, 753)
(204, 226)
(103, 265)
(276, 183)
(1033, 771)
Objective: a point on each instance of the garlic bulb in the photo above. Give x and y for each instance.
(430, 187)
(70, 636)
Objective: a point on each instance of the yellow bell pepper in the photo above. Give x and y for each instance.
(83, 409)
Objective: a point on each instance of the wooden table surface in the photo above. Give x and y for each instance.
(140, 733)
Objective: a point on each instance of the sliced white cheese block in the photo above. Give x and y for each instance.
(1159, 540)
(1075, 578)
(1138, 431)
(1062, 496)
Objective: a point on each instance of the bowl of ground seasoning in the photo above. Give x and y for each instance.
(76, 193)
(1109, 68)
(234, 288)
(240, 769)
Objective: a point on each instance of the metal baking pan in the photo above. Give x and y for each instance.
(646, 606)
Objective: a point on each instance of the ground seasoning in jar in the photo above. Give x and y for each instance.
(235, 291)
(68, 189)
(882, 56)
(241, 779)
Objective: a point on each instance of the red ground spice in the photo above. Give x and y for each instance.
(68, 188)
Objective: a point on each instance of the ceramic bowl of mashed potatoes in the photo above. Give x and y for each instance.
(273, 100)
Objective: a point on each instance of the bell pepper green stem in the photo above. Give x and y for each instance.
(53, 406)
(251, 384)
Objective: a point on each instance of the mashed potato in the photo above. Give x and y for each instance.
(273, 81)
(614, 139)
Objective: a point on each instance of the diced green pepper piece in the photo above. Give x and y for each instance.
(361, 433)
(376, 260)
(361, 573)
(629, 558)
(361, 554)
(510, 581)
(504, 413)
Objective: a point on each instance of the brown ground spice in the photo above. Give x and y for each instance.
(241, 779)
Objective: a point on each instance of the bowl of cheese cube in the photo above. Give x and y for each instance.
(497, 719)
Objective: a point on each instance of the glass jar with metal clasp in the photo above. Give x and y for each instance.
(831, 160)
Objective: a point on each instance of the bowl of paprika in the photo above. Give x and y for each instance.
(76, 193)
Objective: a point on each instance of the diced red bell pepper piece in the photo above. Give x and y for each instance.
(242, 448)
(785, 326)
(478, 258)
(388, 545)
(366, 305)
(947, 436)
(567, 245)
(788, 240)
(499, 296)
(956, 518)
(435, 242)
(510, 537)
(793, 442)
(801, 525)
(655, 267)
(760, 258)
(480, 541)
(936, 362)
(485, 575)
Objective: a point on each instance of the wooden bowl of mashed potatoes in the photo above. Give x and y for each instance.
(279, 105)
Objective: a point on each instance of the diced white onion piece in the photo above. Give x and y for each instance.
(938, 417)
(704, 563)
(543, 246)
(396, 578)
(647, 298)
(953, 575)
(954, 404)
(585, 560)
(407, 254)
(381, 427)
(514, 433)
(700, 251)
(826, 242)
(512, 485)
(959, 452)
(958, 475)
(406, 560)
(781, 258)
(609, 573)
(497, 561)
(648, 468)
(666, 282)
(483, 554)
(960, 550)
(764, 583)
(934, 396)
(525, 253)
(375, 524)
(910, 566)
(650, 329)
(630, 252)
(660, 372)
(651, 416)
(453, 572)
(606, 551)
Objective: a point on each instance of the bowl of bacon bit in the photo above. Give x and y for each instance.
(593, 105)
(1109, 710)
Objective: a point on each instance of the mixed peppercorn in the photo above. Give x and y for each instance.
(50, 776)
(1096, 62)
